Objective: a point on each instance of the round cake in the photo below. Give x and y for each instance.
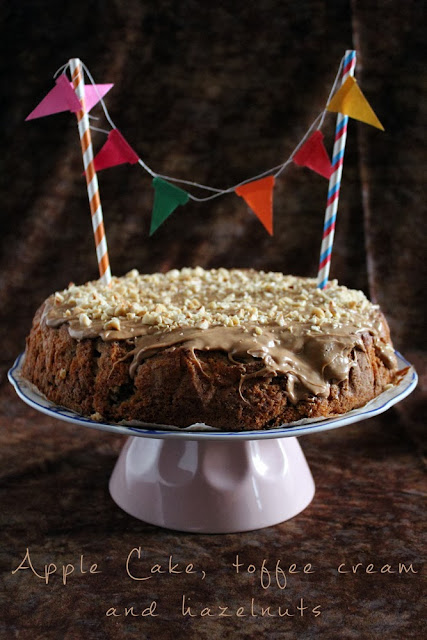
(232, 349)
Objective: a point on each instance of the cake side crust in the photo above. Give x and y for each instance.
(181, 386)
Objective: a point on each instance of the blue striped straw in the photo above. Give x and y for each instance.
(334, 181)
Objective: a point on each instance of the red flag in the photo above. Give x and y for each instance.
(114, 152)
(314, 155)
(259, 196)
(61, 98)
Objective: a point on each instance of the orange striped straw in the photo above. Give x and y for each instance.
(90, 173)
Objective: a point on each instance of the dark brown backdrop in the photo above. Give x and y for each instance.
(215, 94)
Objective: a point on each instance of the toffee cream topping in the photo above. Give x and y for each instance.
(284, 321)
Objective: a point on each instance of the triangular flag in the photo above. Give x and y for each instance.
(259, 196)
(94, 93)
(61, 98)
(313, 155)
(115, 151)
(167, 198)
(350, 101)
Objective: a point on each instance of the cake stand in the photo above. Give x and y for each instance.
(213, 481)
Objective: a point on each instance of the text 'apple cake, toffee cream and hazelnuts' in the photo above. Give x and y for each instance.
(234, 349)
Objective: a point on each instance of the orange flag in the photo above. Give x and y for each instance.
(259, 196)
(350, 101)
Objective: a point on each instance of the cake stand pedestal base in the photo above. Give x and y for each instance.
(212, 486)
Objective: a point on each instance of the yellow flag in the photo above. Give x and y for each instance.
(350, 101)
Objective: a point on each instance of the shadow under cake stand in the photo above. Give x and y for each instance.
(213, 481)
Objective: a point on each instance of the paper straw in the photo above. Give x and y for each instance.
(90, 173)
(334, 181)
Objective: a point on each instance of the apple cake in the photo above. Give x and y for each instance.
(233, 349)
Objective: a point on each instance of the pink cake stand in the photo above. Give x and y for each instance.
(212, 481)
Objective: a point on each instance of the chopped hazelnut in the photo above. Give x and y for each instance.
(114, 323)
(217, 297)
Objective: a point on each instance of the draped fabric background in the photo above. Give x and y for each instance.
(214, 93)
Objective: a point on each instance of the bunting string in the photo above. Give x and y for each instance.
(256, 191)
(276, 171)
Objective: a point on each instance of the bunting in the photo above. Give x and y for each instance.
(313, 155)
(350, 101)
(257, 192)
(114, 152)
(167, 197)
(259, 196)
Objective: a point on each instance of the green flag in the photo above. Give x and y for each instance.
(167, 198)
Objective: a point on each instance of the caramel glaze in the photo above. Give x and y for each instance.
(311, 357)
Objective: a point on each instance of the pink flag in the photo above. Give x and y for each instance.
(61, 98)
(115, 151)
(93, 93)
(314, 155)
